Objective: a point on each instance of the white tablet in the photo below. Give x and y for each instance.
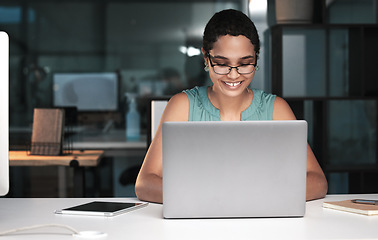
(105, 209)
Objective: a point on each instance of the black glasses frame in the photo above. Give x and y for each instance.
(229, 67)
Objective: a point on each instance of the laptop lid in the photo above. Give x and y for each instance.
(234, 169)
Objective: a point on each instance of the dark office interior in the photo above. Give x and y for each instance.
(326, 69)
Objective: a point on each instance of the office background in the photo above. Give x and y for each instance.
(326, 70)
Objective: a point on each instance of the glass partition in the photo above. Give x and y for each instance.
(150, 48)
(351, 133)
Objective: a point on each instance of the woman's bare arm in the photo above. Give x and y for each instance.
(316, 182)
(148, 186)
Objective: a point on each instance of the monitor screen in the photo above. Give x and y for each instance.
(86, 91)
(4, 109)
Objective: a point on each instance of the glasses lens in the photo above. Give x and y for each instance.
(221, 69)
(245, 69)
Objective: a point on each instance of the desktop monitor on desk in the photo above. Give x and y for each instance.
(4, 110)
(88, 92)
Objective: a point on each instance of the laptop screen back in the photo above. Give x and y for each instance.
(234, 169)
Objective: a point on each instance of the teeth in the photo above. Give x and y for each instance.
(233, 84)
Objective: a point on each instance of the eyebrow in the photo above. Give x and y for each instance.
(224, 58)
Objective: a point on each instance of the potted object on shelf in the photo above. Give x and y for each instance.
(294, 11)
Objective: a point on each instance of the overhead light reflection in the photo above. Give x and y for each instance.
(190, 51)
(258, 6)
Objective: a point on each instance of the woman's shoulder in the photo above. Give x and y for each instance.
(263, 95)
(279, 103)
(197, 96)
(195, 92)
(177, 108)
(178, 100)
(282, 110)
(263, 99)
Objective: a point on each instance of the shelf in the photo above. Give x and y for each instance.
(343, 56)
(351, 168)
(327, 73)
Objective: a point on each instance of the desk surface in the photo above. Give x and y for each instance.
(147, 223)
(83, 158)
(114, 139)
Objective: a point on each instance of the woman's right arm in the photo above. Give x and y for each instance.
(149, 184)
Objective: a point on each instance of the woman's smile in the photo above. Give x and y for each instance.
(233, 85)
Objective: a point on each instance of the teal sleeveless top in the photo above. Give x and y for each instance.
(201, 109)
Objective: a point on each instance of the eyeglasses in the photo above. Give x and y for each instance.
(222, 69)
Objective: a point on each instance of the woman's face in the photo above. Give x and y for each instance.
(232, 51)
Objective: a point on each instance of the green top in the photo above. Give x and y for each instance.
(201, 109)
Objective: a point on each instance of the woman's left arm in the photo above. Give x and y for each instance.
(317, 185)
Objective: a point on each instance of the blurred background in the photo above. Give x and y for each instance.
(98, 59)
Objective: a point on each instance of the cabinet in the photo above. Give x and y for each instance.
(328, 73)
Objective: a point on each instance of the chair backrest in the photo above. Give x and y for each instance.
(156, 109)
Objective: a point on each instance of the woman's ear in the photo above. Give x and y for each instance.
(204, 53)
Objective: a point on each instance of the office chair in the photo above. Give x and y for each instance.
(155, 111)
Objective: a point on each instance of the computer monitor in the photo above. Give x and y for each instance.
(4, 110)
(88, 92)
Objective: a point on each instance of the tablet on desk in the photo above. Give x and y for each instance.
(106, 209)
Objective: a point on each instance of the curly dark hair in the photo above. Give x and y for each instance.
(229, 22)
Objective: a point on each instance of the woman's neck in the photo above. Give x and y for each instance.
(230, 108)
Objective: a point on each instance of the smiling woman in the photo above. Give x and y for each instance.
(230, 49)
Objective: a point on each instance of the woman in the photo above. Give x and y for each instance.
(230, 49)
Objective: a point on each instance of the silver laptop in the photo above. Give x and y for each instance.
(234, 169)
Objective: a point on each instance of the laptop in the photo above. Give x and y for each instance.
(234, 169)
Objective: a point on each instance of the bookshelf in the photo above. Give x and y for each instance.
(328, 74)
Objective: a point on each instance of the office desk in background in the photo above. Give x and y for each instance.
(119, 155)
(147, 223)
(113, 142)
(77, 159)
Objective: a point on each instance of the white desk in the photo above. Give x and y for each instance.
(147, 223)
(113, 142)
(114, 139)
